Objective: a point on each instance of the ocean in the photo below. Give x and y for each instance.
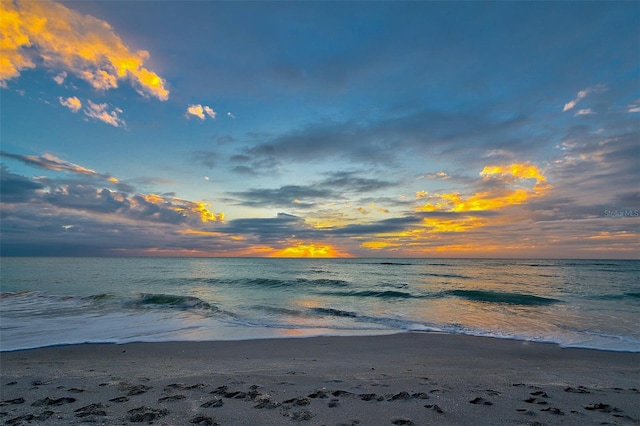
(574, 303)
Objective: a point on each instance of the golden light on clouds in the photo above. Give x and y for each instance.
(453, 225)
(377, 245)
(301, 249)
(202, 209)
(73, 103)
(65, 40)
(498, 187)
(188, 208)
(510, 186)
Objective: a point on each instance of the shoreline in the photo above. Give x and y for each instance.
(321, 335)
(402, 378)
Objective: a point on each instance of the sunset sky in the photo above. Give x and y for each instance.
(364, 129)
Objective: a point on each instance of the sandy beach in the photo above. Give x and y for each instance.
(401, 379)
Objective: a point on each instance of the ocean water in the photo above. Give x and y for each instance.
(575, 303)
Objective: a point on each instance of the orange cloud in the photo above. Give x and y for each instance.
(309, 250)
(454, 225)
(200, 111)
(508, 185)
(378, 245)
(202, 209)
(186, 207)
(515, 190)
(73, 103)
(517, 171)
(66, 40)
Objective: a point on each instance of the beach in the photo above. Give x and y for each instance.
(399, 379)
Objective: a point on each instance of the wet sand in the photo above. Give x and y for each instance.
(402, 379)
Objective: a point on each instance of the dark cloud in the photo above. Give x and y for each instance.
(383, 226)
(285, 196)
(271, 230)
(15, 188)
(351, 182)
(244, 170)
(386, 141)
(336, 186)
(208, 159)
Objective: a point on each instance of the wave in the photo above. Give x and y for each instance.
(334, 312)
(623, 296)
(99, 297)
(503, 297)
(10, 294)
(387, 294)
(447, 276)
(277, 310)
(275, 283)
(170, 301)
(395, 263)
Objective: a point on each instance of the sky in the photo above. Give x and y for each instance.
(320, 129)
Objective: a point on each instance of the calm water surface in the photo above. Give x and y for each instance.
(577, 303)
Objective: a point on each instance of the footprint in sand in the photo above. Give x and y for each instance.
(145, 414)
(480, 401)
(320, 393)
(400, 396)
(30, 418)
(301, 416)
(91, 410)
(401, 421)
(171, 398)
(136, 390)
(435, 408)
(12, 401)
(204, 421)
(297, 401)
(53, 401)
(216, 402)
(554, 410)
(604, 408)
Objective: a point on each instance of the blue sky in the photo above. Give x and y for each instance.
(426, 129)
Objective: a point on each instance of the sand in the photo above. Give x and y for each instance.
(402, 379)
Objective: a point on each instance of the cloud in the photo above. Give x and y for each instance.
(634, 107)
(352, 183)
(389, 141)
(200, 111)
(285, 196)
(60, 78)
(583, 94)
(100, 112)
(336, 186)
(51, 162)
(97, 111)
(205, 158)
(501, 186)
(73, 103)
(307, 249)
(271, 230)
(569, 105)
(48, 33)
(436, 175)
(99, 194)
(587, 111)
(16, 188)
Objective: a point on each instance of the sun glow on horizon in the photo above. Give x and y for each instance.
(310, 250)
